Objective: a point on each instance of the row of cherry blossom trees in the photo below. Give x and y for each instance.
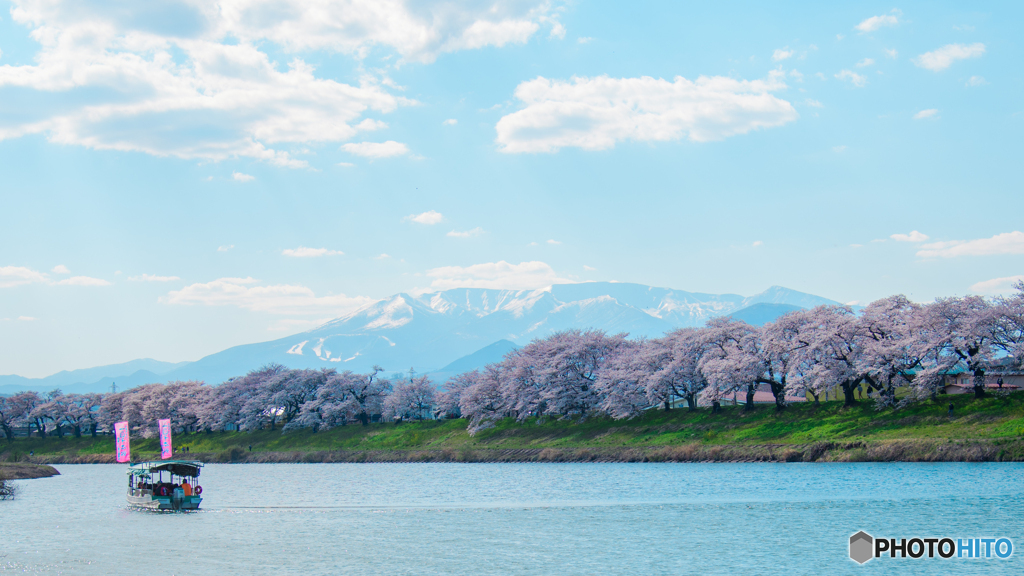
(892, 344)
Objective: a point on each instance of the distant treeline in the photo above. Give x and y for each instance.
(892, 344)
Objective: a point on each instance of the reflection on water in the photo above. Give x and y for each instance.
(513, 519)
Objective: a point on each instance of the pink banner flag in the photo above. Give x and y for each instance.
(165, 439)
(124, 452)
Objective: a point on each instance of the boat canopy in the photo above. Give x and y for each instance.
(177, 467)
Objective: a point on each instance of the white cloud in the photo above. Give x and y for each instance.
(382, 256)
(589, 268)
(584, 39)
(450, 122)
(914, 236)
(467, 234)
(875, 22)
(781, 54)
(856, 245)
(196, 80)
(557, 30)
(239, 177)
(60, 269)
(553, 242)
(839, 149)
(496, 275)
(997, 285)
(376, 149)
(153, 278)
(864, 63)
(595, 113)
(429, 217)
(82, 281)
(11, 276)
(1005, 243)
(813, 103)
(275, 299)
(944, 57)
(225, 248)
(27, 318)
(929, 113)
(852, 77)
(303, 252)
(757, 243)
(794, 73)
(976, 81)
(891, 53)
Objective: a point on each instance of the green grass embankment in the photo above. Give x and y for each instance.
(980, 430)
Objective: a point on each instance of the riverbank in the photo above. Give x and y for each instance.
(26, 471)
(979, 430)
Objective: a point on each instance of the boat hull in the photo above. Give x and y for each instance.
(163, 503)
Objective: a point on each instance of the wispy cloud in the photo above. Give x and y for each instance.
(429, 217)
(11, 276)
(467, 234)
(304, 252)
(914, 236)
(225, 248)
(450, 122)
(596, 113)
(60, 269)
(1006, 243)
(944, 57)
(757, 243)
(554, 242)
(864, 63)
(875, 22)
(382, 256)
(924, 114)
(27, 318)
(82, 281)
(589, 268)
(891, 53)
(584, 40)
(976, 81)
(852, 77)
(781, 54)
(275, 299)
(153, 278)
(813, 103)
(496, 275)
(240, 177)
(376, 150)
(996, 286)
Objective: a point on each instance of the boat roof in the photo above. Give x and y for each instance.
(179, 467)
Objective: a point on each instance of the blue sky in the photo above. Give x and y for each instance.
(181, 178)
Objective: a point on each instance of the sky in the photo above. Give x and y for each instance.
(182, 177)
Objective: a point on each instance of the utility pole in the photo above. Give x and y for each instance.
(113, 387)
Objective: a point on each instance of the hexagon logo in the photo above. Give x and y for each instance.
(861, 547)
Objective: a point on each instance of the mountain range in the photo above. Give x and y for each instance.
(449, 332)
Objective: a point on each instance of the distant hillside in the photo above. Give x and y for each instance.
(443, 332)
(763, 313)
(98, 379)
(477, 360)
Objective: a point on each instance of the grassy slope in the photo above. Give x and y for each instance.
(733, 434)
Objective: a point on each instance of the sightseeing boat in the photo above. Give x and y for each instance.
(165, 485)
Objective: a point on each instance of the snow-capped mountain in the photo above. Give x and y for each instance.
(429, 331)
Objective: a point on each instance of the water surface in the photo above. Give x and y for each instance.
(514, 519)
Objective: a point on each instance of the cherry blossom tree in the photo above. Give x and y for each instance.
(1009, 325)
(673, 362)
(412, 400)
(14, 410)
(725, 363)
(962, 332)
(621, 381)
(483, 401)
(830, 360)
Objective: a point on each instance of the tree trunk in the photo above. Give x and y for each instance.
(779, 391)
(93, 426)
(668, 405)
(848, 392)
(691, 402)
(751, 389)
(78, 430)
(715, 407)
(979, 383)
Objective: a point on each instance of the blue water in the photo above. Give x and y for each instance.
(587, 519)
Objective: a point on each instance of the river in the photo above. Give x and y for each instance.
(500, 519)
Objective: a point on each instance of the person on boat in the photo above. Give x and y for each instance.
(186, 488)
